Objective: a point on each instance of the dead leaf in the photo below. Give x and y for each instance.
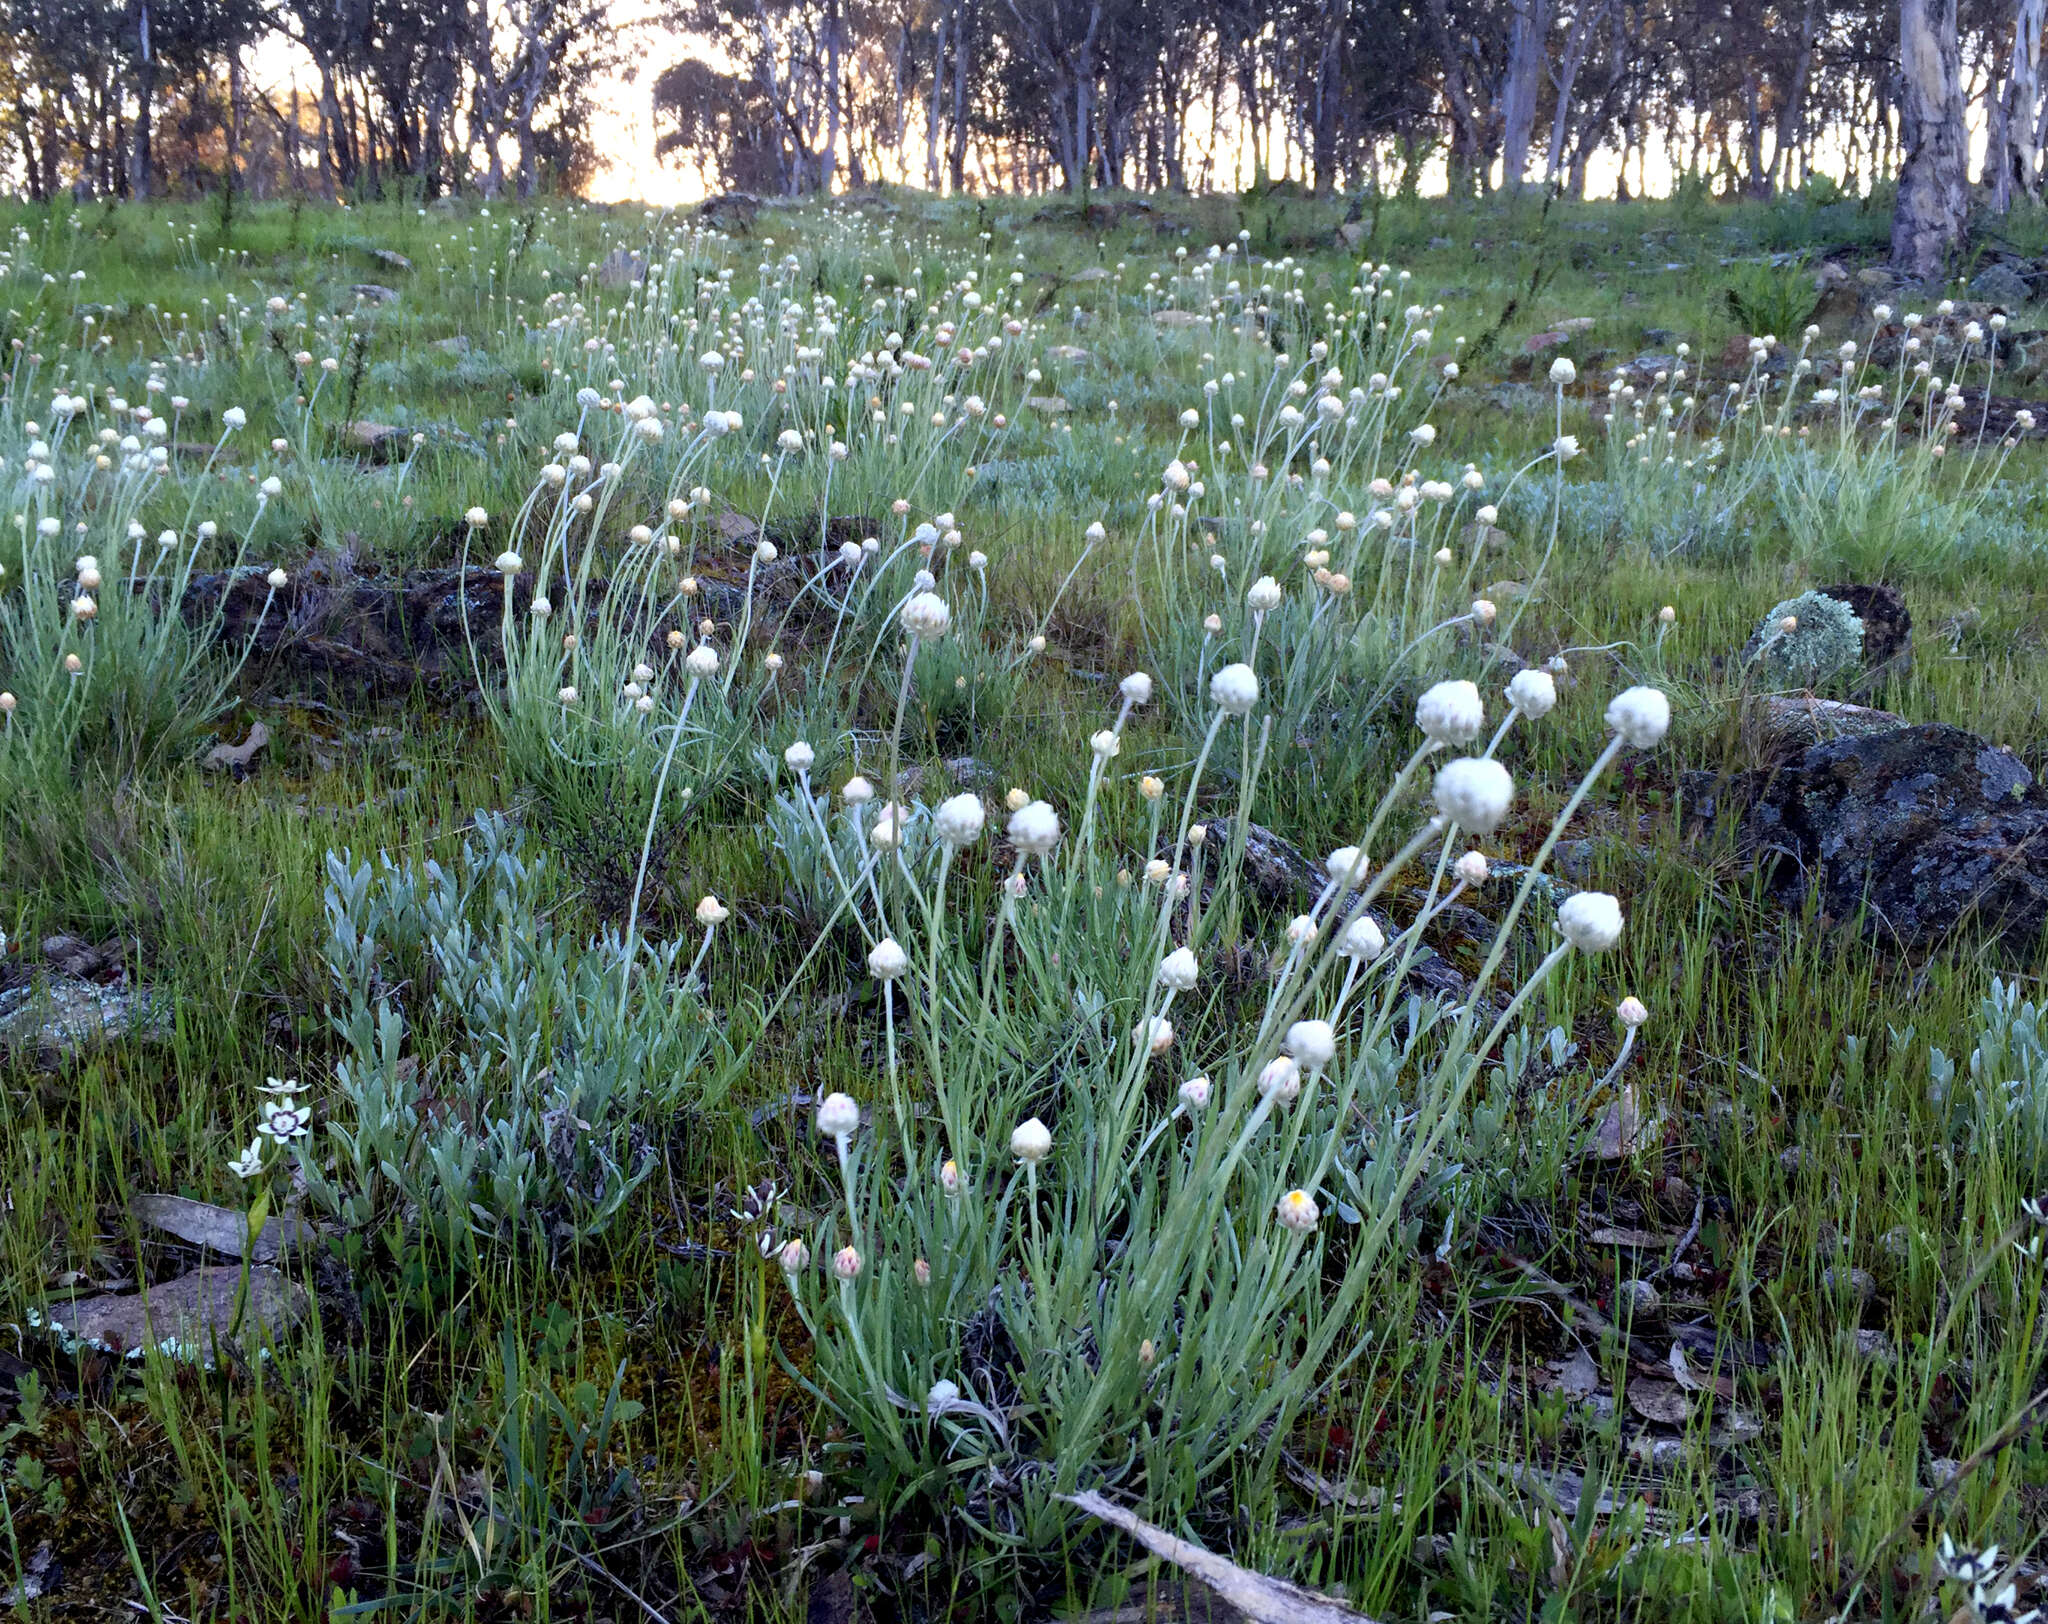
(1166, 1600)
(1646, 1238)
(1267, 1601)
(219, 1229)
(187, 1315)
(1719, 1383)
(1578, 1376)
(1368, 1499)
(831, 1600)
(39, 1575)
(1620, 1130)
(238, 756)
(1660, 1401)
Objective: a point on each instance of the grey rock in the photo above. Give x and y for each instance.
(374, 293)
(2001, 285)
(185, 1317)
(1780, 726)
(621, 268)
(1643, 1299)
(1276, 870)
(970, 773)
(730, 209)
(220, 1229)
(1919, 830)
(1859, 1284)
(51, 1022)
(391, 259)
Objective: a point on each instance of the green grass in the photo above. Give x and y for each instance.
(639, 1417)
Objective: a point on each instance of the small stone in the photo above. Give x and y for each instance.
(374, 293)
(2000, 284)
(50, 1023)
(1858, 1283)
(970, 773)
(1642, 1298)
(186, 1316)
(622, 267)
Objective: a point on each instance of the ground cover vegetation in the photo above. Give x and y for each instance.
(775, 913)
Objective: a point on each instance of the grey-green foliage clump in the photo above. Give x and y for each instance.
(1827, 640)
(495, 1077)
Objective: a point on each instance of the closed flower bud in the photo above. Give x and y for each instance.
(958, 821)
(846, 1263)
(887, 960)
(1264, 595)
(838, 1116)
(1475, 793)
(1137, 688)
(921, 1272)
(1642, 716)
(1471, 868)
(1362, 939)
(1312, 1043)
(1178, 971)
(1154, 1034)
(1298, 1211)
(1235, 690)
(1280, 1080)
(702, 661)
(926, 616)
(1451, 712)
(1631, 1012)
(1031, 1141)
(710, 911)
(1194, 1093)
(1034, 828)
(795, 1257)
(1349, 867)
(858, 791)
(1533, 693)
(1590, 921)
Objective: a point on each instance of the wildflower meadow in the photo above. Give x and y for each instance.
(924, 909)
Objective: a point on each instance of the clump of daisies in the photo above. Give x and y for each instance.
(1061, 1131)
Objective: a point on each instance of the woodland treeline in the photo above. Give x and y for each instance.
(145, 97)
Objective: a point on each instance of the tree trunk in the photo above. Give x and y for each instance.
(1329, 94)
(1528, 50)
(1933, 205)
(828, 156)
(143, 161)
(2014, 141)
(957, 159)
